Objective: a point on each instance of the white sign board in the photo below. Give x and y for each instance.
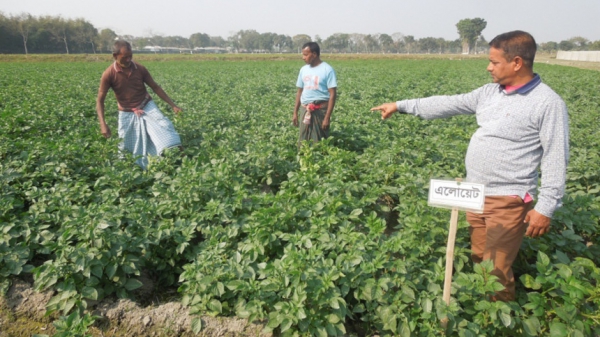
(454, 194)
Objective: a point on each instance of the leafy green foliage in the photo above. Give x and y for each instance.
(332, 240)
(73, 325)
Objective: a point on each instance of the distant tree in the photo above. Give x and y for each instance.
(469, 30)
(594, 45)
(337, 42)
(266, 41)
(398, 41)
(566, 45)
(23, 23)
(397, 37)
(356, 43)
(85, 33)
(200, 40)
(480, 43)
(10, 41)
(318, 39)
(60, 29)
(6, 30)
(155, 39)
(428, 45)
(248, 39)
(409, 42)
(371, 42)
(442, 45)
(137, 42)
(183, 42)
(299, 40)
(106, 38)
(175, 41)
(46, 34)
(329, 43)
(579, 43)
(283, 42)
(164, 41)
(548, 47)
(386, 43)
(454, 46)
(41, 41)
(234, 42)
(217, 41)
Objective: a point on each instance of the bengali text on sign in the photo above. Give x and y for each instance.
(454, 194)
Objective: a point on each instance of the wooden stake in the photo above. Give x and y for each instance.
(450, 257)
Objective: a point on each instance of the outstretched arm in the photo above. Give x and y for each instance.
(162, 94)
(436, 106)
(387, 109)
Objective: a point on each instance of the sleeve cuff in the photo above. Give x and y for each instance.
(545, 210)
(400, 107)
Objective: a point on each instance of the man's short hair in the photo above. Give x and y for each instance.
(314, 47)
(516, 43)
(119, 44)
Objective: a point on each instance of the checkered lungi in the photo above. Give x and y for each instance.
(149, 134)
(314, 131)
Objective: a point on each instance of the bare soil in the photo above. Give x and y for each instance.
(22, 313)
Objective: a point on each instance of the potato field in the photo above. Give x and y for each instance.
(329, 240)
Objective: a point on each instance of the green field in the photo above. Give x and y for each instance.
(329, 240)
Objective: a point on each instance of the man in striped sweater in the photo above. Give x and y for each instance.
(523, 127)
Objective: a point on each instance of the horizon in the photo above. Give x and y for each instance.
(335, 16)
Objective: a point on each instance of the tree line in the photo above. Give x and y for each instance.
(24, 34)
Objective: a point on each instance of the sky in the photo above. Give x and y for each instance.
(546, 20)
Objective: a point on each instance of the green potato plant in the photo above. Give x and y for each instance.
(335, 238)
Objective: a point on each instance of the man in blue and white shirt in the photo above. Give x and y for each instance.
(317, 85)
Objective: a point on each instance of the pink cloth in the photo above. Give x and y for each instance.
(511, 88)
(310, 107)
(527, 198)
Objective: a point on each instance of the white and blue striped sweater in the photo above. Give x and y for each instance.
(519, 133)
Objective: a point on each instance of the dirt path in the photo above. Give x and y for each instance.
(22, 314)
